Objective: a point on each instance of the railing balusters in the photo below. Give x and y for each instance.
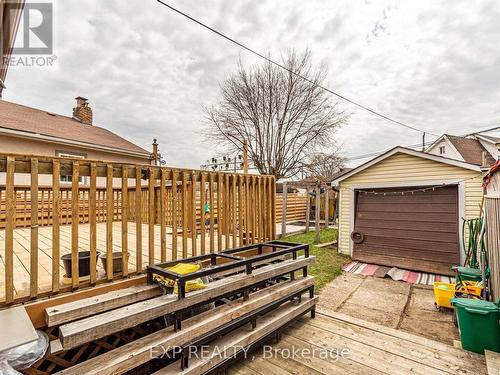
(227, 212)
(138, 218)
(93, 221)
(124, 218)
(109, 221)
(163, 202)
(203, 201)
(10, 213)
(220, 219)
(74, 224)
(175, 215)
(184, 215)
(34, 230)
(193, 215)
(212, 211)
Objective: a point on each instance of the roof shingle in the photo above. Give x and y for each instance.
(470, 149)
(30, 120)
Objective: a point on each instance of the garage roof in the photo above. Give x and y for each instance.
(408, 151)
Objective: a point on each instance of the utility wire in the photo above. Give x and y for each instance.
(292, 72)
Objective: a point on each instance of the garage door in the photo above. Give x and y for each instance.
(416, 231)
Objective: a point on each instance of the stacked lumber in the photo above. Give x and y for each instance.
(240, 309)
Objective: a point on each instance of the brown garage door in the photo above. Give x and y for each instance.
(416, 231)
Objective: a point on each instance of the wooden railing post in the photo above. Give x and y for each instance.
(75, 209)
(109, 221)
(56, 213)
(138, 218)
(10, 208)
(124, 218)
(34, 229)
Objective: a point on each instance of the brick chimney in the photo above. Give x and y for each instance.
(82, 112)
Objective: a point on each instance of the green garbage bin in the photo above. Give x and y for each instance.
(466, 273)
(478, 323)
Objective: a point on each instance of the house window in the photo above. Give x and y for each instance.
(441, 150)
(69, 178)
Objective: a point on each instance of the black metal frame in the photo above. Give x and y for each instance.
(279, 248)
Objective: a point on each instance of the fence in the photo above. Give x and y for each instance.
(296, 207)
(169, 202)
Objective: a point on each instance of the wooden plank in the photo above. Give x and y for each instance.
(75, 208)
(174, 215)
(56, 214)
(109, 223)
(227, 212)
(212, 209)
(194, 234)
(93, 222)
(273, 207)
(426, 356)
(84, 307)
(219, 212)
(283, 209)
(34, 230)
(163, 201)
(124, 220)
(327, 207)
(9, 229)
(184, 215)
(229, 345)
(241, 220)
(234, 207)
(308, 211)
(138, 219)
(92, 328)
(36, 310)
(151, 216)
(203, 201)
(131, 355)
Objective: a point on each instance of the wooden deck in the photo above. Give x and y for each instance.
(369, 348)
(22, 252)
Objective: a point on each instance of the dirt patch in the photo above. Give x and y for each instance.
(394, 304)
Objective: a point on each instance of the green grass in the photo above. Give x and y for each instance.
(328, 263)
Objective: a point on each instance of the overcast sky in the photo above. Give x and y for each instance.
(148, 72)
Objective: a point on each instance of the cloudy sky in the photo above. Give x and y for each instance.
(148, 72)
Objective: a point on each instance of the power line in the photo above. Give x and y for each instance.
(291, 71)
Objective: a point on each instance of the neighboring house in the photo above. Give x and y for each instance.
(404, 209)
(30, 131)
(10, 15)
(477, 149)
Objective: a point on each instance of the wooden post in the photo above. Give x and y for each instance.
(34, 229)
(184, 215)
(10, 208)
(203, 201)
(327, 207)
(151, 216)
(93, 221)
(273, 207)
(109, 222)
(212, 209)
(56, 213)
(245, 156)
(283, 210)
(194, 231)
(175, 215)
(124, 218)
(308, 210)
(317, 215)
(219, 212)
(138, 219)
(74, 223)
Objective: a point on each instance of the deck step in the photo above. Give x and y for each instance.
(92, 328)
(229, 345)
(85, 307)
(138, 352)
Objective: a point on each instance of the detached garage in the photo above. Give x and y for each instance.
(404, 209)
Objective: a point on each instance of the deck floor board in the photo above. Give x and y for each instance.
(371, 349)
(22, 252)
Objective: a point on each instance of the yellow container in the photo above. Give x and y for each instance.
(471, 288)
(443, 293)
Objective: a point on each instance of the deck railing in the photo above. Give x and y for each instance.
(169, 202)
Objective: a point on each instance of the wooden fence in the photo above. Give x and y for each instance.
(242, 210)
(296, 207)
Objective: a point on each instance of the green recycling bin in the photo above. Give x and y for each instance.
(466, 273)
(478, 323)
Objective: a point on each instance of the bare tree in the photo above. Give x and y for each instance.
(323, 167)
(283, 117)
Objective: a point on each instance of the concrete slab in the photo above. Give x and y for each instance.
(391, 303)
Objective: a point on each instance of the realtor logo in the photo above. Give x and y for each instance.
(35, 35)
